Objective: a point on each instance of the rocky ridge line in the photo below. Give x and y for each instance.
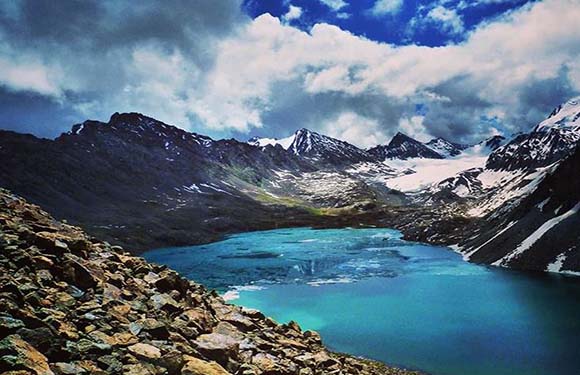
(70, 304)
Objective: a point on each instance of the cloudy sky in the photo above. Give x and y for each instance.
(359, 70)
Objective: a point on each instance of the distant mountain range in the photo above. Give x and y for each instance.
(136, 180)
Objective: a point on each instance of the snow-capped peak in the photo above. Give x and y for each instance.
(445, 148)
(263, 142)
(566, 115)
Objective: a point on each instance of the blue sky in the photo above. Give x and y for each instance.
(401, 22)
(355, 70)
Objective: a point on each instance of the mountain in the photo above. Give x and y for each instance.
(318, 148)
(494, 142)
(539, 232)
(135, 180)
(404, 147)
(445, 148)
(549, 142)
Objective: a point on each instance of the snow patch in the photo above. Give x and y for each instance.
(538, 233)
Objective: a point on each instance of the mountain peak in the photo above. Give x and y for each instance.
(565, 115)
(404, 147)
(444, 147)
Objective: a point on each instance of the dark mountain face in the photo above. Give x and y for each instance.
(494, 142)
(322, 149)
(404, 147)
(541, 232)
(137, 180)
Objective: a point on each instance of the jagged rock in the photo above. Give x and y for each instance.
(145, 351)
(110, 293)
(61, 368)
(124, 339)
(78, 274)
(139, 369)
(9, 325)
(165, 302)
(218, 347)
(195, 366)
(18, 354)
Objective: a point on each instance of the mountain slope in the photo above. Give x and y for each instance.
(137, 180)
(540, 233)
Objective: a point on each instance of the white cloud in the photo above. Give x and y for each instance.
(335, 5)
(355, 129)
(414, 126)
(268, 67)
(493, 65)
(293, 13)
(383, 7)
(449, 20)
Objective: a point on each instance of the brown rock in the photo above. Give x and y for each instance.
(139, 369)
(145, 351)
(219, 347)
(61, 368)
(78, 274)
(17, 353)
(124, 339)
(110, 293)
(195, 366)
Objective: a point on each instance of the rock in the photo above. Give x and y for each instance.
(165, 302)
(17, 353)
(195, 366)
(78, 274)
(88, 346)
(153, 327)
(173, 361)
(43, 339)
(170, 282)
(61, 368)
(124, 339)
(139, 369)
(145, 351)
(50, 242)
(218, 347)
(110, 364)
(151, 277)
(267, 363)
(110, 293)
(9, 325)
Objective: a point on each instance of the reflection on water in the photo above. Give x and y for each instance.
(370, 293)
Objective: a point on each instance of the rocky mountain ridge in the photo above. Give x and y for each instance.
(71, 304)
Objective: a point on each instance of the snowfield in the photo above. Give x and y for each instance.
(429, 172)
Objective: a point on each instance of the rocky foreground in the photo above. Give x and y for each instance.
(70, 304)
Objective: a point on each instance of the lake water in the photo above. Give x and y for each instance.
(370, 293)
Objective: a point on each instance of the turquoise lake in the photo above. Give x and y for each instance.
(370, 293)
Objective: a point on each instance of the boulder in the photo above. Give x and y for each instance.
(145, 351)
(18, 354)
(77, 274)
(218, 347)
(195, 366)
